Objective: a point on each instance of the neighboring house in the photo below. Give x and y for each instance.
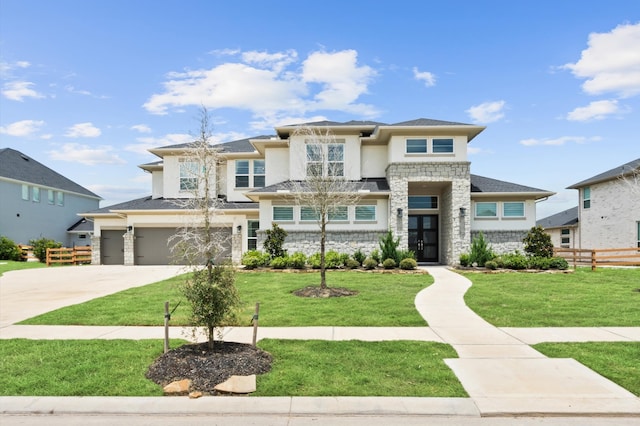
(609, 208)
(563, 228)
(37, 202)
(415, 179)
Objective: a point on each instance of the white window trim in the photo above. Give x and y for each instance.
(524, 211)
(324, 161)
(184, 161)
(475, 211)
(375, 214)
(273, 214)
(429, 150)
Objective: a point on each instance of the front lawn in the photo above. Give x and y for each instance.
(384, 300)
(12, 265)
(617, 361)
(584, 298)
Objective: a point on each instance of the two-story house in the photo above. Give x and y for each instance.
(38, 202)
(414, 178)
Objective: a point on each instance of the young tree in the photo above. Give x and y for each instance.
(538, 243)
(326, 192)
(210, 288)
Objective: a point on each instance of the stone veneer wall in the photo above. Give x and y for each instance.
(502, 242)
(95, 250)
(454, 228)
(129, 254)
(308, 242)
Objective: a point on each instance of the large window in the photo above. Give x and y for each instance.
(339, 213)
(282, 213)
(252, 235)
(423, 202)
(242, 173)
(249, 171)
(188, 175)
(513, 209)
(486, 210)
(365, 213)
(586, 197)
(416, 146)
(309, 214)
(442, 146)
(333, 153)
(258, 173)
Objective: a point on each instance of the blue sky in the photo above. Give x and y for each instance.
(88, 86)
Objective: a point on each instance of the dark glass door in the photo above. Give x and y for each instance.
(423, 237)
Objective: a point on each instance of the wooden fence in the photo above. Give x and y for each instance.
(76, 255)
(600, 257)
(27, 253)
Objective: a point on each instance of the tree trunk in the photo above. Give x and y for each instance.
(323, 267)
(211, 336)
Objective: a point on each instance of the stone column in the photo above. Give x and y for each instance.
(236, 248)
(95, 250)
(399, 200)
(129, 258)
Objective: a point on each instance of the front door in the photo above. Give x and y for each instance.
(423, 237)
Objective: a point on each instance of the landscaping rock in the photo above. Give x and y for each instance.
(238, 384)
(195, 395)
(179, 387)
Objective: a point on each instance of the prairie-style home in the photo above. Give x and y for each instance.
(38, 202)
(414, 179)
(607, 215)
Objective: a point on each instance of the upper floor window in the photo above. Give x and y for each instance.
(25, 192)
(513, 209)
(258, 173)
(51, 196)
(367, 213)
(565, 231)
(60, 198)
(416, 146)
(188, 175)
(486, 210)
(586, 197)
(325, 159)
(442, 146)
(423, 202)
(249, 173)
(35, 194)
(242, 173)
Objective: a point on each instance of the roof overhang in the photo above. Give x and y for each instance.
(383, 134)
(513, 195)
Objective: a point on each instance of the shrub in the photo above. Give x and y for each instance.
(480, 251)
(408, 263)
(406, 254)
(537, 262)
(389, 247)
(274, 241)
(375, 255)
(538, 243)
(9, 250)
(297, 260)
(279, 262)
(40, 247)
(314, 260)
(359, 256)
(369, 264)
(333, 260)
(558, 263)
(352, 264)
(515, 261)
(255, 259)
(465, 259)
(491, 264)
(389, 263)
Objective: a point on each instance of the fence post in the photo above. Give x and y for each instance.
(255, 323)
(167, 316)
(593, 260)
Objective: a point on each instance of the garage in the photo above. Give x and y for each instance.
(112, 247)
(152, 246)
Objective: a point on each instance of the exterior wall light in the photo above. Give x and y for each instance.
(463, 211)
(239, 229)
(399, 212)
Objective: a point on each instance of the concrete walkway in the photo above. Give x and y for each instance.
(501, 372)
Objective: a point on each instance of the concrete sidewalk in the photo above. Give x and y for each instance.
(501, 372)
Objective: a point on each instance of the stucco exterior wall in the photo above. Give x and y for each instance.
(373, 161)
(276, 165)
(611, 221)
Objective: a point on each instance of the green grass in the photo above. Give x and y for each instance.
(605, 297)
(78, 367)
(617, 361)
(355, 368)
(383, 300)
(12, 265)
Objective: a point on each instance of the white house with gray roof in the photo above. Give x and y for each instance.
(38, 202)
(414, 179)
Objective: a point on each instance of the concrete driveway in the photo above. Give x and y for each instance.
(27, 293)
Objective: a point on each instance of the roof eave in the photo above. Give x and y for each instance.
(535, 194)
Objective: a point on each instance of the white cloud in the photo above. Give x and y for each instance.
(611, 63)
(22, 128)
(487, 112)
(559, 141)
(146, 143)
(85, 154)
(271, 85)
(18, 90)
(7, 67)
(428, 78)
(83, 130)
(142, 128)
(596, 110)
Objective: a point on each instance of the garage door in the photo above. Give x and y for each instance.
(152, 246)
(112, 247)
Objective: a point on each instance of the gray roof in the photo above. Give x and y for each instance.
(148, 203)
(81, 226)
(429, 122)
(567, 217)
(18, 166)
(369, 185)
(327, 123)
(416, 122)
(240, 145)
(614, 173)
(480, 184)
